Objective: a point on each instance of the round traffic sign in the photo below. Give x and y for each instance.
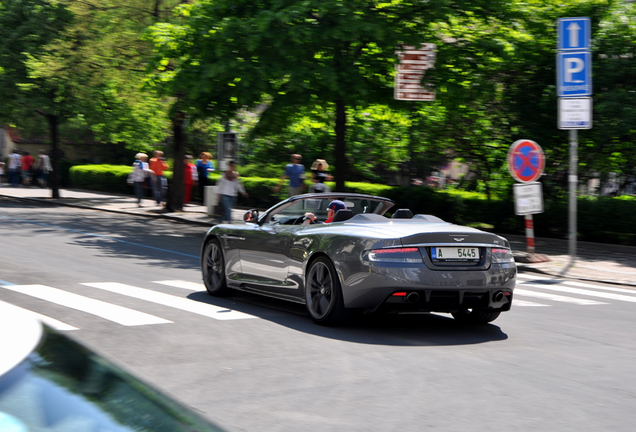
(526, 161)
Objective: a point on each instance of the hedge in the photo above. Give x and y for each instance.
(600, 219)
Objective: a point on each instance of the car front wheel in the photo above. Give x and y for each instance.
(213, 269)
(475, 316)
(323, 294)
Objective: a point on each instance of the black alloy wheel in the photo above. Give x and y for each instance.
(323, 294)
(213, 269)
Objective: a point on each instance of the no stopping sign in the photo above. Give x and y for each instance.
(526, 161)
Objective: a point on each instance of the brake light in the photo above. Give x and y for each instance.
(502, 255)
(404, 255)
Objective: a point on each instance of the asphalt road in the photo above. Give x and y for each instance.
(562, 359)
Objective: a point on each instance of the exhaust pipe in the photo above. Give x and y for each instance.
(412, 297)
(498, 296)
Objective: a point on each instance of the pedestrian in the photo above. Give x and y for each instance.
(1, 172)
(204, 167)
(15, 164)
(42, 168)
(138, 175)
(318, 177)
(228, 187)
(190, 178)
(295, 173)
(158, 165)
(27, 164)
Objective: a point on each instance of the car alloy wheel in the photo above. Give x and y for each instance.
(213, 268)
(323, 295)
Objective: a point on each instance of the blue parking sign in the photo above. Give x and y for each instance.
(574, 74)
(573, 34)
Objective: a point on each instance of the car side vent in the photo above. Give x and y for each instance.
(402, 214)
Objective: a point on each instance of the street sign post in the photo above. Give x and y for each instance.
(574, 73)
(574, 78)
(414, 62)
(526, 161)
(575, 113)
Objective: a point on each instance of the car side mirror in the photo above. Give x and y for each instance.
(251, 216)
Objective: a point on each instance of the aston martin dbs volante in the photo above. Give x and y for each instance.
(361, 260)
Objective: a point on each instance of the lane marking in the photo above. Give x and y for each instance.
(182, 303)
(580, 284)
(525, 303)
(554, 297)
(584, 292)
(51, 322)
(100, 236)
(111, 312)
(191, 286)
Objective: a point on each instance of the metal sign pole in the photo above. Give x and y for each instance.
(573, 183)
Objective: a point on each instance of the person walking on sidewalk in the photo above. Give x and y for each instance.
(204, 167)
(158, 165)
(42, 168)
(190, 178)
(138, 175)
(14, 168)
(228, 187)
(295, 172)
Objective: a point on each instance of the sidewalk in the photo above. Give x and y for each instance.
(594, 261)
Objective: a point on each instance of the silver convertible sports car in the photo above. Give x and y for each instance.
(361, 260)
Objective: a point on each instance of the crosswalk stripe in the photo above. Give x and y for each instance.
(51, 322)
(526, 303)
(554, 297)
(579, 284)
(185, 304)
(192, 286)
(579, 291)
(111, 312)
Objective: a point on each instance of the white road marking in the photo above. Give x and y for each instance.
(584, 292)
(51, 322)
(111, 312)
(526, 303)
(185, 304)
(554, 297)
(579, 284)
(192, 286)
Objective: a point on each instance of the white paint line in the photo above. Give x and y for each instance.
(51, 322)
(525, 303)
(554, 297)
(192, 286)
(185, 304)
(579, 291)
(580, 284)
(111, 312)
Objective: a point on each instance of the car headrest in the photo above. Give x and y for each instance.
(342, 215)
(402, 214)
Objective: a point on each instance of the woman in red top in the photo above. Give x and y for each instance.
(190, 178)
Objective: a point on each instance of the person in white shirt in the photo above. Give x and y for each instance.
(227, 188)
(15, 165)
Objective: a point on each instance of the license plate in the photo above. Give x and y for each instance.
(455, 253)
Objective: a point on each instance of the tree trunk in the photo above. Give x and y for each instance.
(175, 190)
(54, 176)
(341, 145)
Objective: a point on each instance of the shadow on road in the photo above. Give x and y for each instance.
(390, 330)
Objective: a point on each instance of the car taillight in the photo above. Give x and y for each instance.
(402, 255)
(501, 255)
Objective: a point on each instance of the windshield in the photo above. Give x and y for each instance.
(64, 387)
(293, 213)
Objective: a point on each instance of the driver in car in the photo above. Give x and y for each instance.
(332, 208)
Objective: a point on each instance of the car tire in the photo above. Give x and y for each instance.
(323, 295)
(475, 316)
(213, 269)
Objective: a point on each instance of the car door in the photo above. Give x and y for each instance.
(265, 253)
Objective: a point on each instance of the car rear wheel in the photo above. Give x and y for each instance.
(213, 269)
(475, 316)
(323, 294)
